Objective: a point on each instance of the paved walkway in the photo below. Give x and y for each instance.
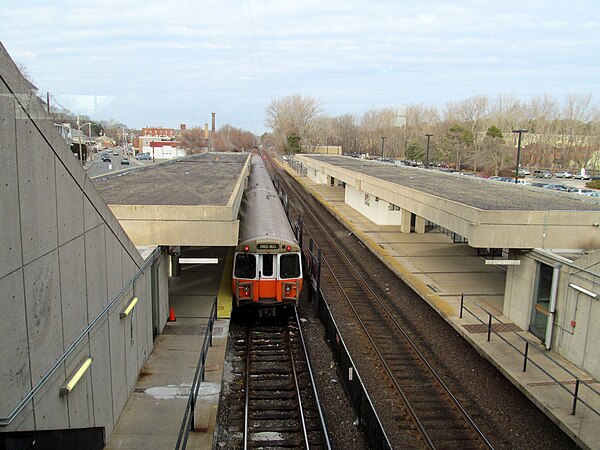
(440, 271)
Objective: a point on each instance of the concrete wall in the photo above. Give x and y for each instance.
(579, 343)
(63, 259)
(375, 209)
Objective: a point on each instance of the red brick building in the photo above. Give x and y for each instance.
(158, 132)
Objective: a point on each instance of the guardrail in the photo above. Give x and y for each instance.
(4, 421)
(187, 424)
(527, 358)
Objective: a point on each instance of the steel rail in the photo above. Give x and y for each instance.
(313, 384)
(422, 357)
(247, 393)
(297, 388)
(341, 253)
(383, 361)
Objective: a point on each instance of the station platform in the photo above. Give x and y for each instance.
(154, 411)
(442, 272)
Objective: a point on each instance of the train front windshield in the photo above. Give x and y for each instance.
(245, 265)
(289, 266)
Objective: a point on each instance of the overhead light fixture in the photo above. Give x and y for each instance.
(583, 290)
(75, 376)
(125, 311)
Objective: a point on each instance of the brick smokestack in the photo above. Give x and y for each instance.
(213, 122)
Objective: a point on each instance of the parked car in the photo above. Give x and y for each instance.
(563, 174)
(143, 156)
(125, 160)
(582, 176)
(582, 191)
(557, 187)
(542, 174)
(105, 157)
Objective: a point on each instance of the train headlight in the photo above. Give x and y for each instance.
(245, 291)
(290, 291)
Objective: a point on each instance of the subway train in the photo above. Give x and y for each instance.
(267, 270)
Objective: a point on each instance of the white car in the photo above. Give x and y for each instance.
(564, 174)
(582, 191)
(582, 176)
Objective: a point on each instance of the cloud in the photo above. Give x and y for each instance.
(188, 53)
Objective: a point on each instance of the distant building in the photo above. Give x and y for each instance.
(160, 147)
(158, 132)
(105, 142)
(326, 149)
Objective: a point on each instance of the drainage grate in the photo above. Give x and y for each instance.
(497, 327)
(181, 330)
(139, 390)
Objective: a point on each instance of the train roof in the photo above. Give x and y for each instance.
(261, 213)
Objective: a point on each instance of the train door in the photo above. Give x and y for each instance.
(267, 276)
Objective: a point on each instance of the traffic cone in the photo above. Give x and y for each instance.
(172, 317)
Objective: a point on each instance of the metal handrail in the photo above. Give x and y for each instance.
(4, 421)
(525, 354)
(187, 424)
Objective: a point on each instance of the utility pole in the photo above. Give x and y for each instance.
(427, 157)
(382, 145)
(518, 153)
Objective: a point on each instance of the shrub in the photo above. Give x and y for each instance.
(593, 184)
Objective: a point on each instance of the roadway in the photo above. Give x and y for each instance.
(97, 167)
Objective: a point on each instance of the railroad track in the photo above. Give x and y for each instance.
(432, 416)
(278, 407)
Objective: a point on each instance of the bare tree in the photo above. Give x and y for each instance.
(293, 115)
(192, 140)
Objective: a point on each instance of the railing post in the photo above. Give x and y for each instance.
(575, 396)
(462, 299)
(525, 360)
(192, 414)
(489, 328)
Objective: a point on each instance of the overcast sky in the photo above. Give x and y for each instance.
(147, 63)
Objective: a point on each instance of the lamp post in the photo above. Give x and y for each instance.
(382, 144)
(518, 153)
(427, 157)
(90, 135)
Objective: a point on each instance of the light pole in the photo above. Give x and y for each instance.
(382, 144)
(518, 153)
(90, 135)
(427, 157)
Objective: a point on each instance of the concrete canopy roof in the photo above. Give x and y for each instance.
(489, 214)
(189, 201)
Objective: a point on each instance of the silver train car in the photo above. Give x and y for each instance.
(267, 268)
